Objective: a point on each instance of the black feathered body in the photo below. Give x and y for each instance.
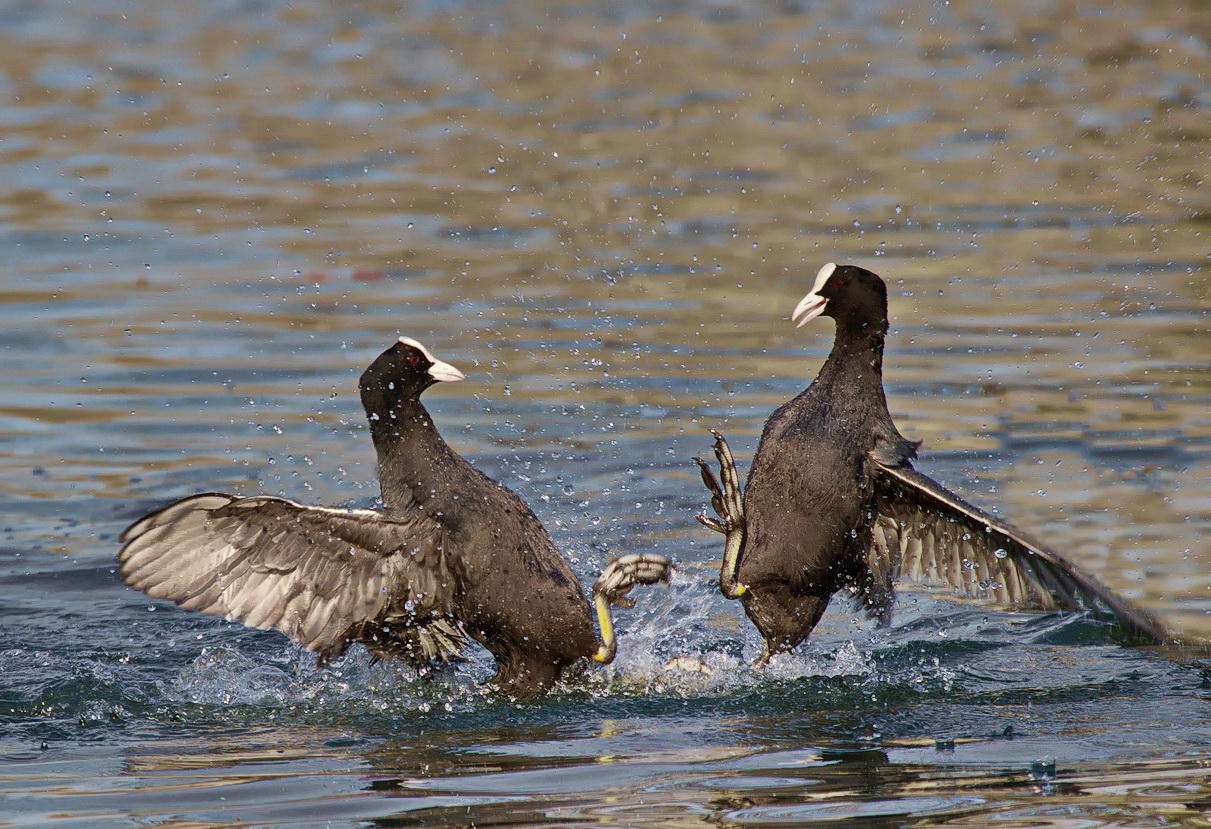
(833, 502)
(809, 503)
(451, 554)
(513, 591)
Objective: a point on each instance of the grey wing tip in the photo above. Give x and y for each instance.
(1038, 577)
(436, 640)
(1157, 633)
(446, 641)
(1138, 625)
(170, 512)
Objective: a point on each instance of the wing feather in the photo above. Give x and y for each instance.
(938, 536)
(317, 574)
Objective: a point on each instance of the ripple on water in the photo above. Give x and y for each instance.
(603, 215)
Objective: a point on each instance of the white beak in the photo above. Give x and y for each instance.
(442, 372)
(446, 373)
(812, 305)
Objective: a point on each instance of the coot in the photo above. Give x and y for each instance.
(451, 554)
(833, 502)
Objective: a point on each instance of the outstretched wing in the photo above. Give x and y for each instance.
(924, 532)
(317, 574)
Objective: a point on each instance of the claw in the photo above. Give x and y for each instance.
(728, 503)
(618, 578)
(712, 483)
(708, 476)
(727, 473)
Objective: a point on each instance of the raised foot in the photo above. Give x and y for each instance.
(625, 572)
(618, 578)
(726, 499)
(728, 503)
(687, 665)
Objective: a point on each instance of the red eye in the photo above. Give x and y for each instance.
(413, 359)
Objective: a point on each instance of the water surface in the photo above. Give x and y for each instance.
(215, 215)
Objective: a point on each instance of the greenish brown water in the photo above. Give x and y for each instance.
(213, 215)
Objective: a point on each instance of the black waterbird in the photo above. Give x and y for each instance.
(833, 502)
(451, 554)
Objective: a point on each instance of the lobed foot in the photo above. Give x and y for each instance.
(726, 498)
(687, 665)
(625, 572)
(728, 503)
(618, 578)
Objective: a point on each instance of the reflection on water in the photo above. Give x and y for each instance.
(214, 215)
(548, 775)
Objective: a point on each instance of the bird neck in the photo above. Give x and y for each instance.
(851, 385)
(857, 359)
(413, 459)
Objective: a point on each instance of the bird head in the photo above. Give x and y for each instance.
(405, 370)
(846, 293)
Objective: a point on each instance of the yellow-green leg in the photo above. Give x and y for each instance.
(615, 581)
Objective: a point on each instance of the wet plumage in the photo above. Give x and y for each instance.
(451, 554)
(833, 502)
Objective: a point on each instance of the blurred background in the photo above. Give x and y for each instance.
(214, 215)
